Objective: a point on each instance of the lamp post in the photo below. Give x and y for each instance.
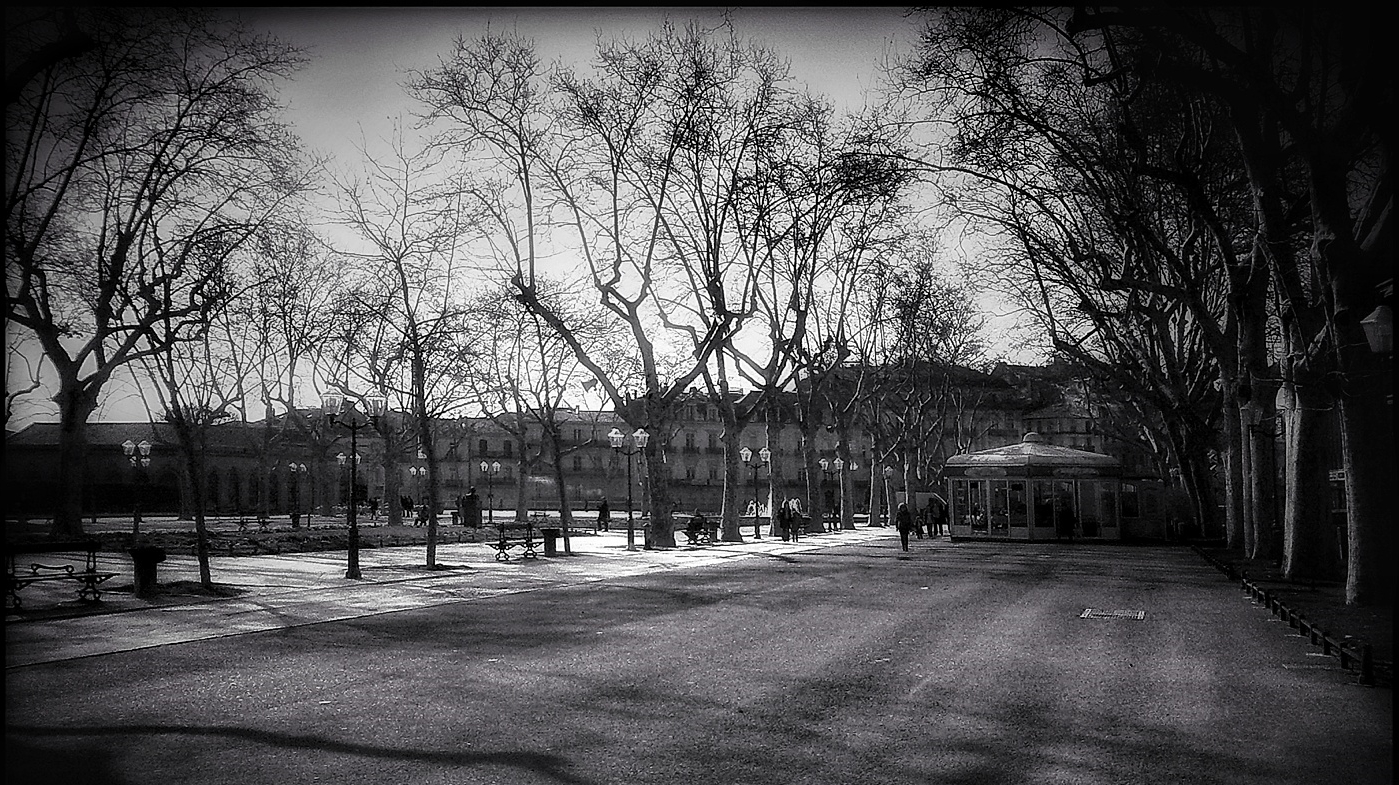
(840, 467)
(490, 470)
(339, 410)
(764, 455)
(619, 443)
(418, 472)
(888, 495)
(140, 457)
(829, 469)
(296, 473)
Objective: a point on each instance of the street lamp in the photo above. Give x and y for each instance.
(828, 470)
(490, 470)
(419, 474)
(298, 470)
(888, 495)
(342, 411)
(840, 480)
(1379, 330)
(764, 456)
(140, 456)
(619, 443)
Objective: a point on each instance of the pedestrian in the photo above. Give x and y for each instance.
(472, 503)
(374, 508)
(784, 521)
(694, 530)
(604, 517)
(917, 522)
(903, 519)
(794, 517)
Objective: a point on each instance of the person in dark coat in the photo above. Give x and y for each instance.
(604, 517)
(903, 519)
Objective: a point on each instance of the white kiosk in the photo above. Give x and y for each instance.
(1034, 491)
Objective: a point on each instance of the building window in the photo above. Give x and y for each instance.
(689, 472)
(484, 447)
(508, 448)
(577, 463)
(578, 434)
(713, 440)
(714, 472)
(689, 440)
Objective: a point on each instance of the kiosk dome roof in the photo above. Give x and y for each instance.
(1032, 451)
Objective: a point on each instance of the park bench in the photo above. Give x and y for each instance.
(698, 531)
(88, 578)
(503, 545)
(695, 536)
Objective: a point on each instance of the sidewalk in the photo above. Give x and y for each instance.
(271, 592)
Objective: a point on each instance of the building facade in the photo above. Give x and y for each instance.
(301, 463)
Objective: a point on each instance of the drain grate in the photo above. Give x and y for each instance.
(1094, 613)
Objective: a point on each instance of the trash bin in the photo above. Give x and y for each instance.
(145, 558)
(551, 541)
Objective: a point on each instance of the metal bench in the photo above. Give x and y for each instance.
(503, 545)
(88, 578)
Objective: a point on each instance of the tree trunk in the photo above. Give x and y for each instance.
(195, 481)
(733, 477)
(657, 476)
(1261, 445)
(1232, 452)
(1367, 450)
(565, 514)
(1306, 511)
(76, 403)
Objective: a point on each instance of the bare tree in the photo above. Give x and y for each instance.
(408, 213)
(195, 390)
(1308, 102)
(135, 167)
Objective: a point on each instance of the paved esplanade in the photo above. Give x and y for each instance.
(834, 660)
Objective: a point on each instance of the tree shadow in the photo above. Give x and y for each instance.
(35, 763)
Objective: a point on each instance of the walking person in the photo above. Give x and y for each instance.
(903, 519)
(604, 517)
(784, 521)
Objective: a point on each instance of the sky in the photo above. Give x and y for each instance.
(350, 92)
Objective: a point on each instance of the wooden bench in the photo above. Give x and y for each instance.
(88, 578)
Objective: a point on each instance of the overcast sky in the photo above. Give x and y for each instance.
(351, 91)
(360, 56)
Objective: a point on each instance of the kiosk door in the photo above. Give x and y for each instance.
(969, 506)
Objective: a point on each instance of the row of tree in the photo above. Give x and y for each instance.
(680, 217)
(1195, 204)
